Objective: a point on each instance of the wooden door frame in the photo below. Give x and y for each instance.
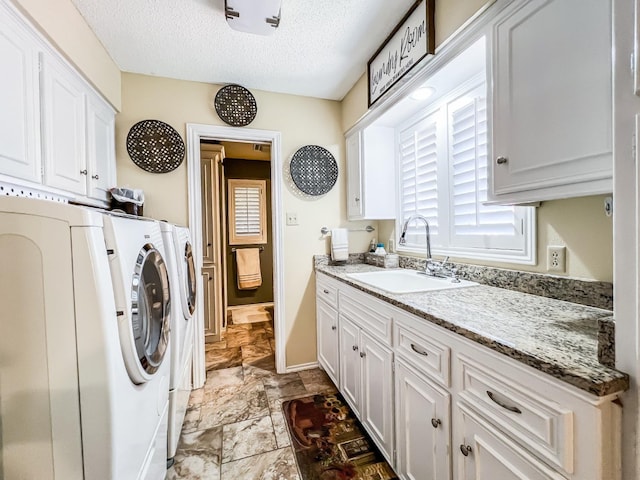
(196, 133)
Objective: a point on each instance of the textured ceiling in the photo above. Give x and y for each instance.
(320, 49)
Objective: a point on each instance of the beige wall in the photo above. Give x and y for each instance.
(580, 224)
(302, 121)
(67, 30)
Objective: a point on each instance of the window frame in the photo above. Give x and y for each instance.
(234, 237)
(527, 216)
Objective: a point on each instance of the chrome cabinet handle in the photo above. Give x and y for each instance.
(326, 291)
(333, 327)
(501, 160)
(83, 172)
(421, 352)
(503, 405)
(362, 354)
(355, 347)
(95, 177)
(465, 449)
(436, 422)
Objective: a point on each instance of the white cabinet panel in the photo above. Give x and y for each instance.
(100, 148)
(377, 393)
(552, 118)
(64, 127)
(423, 427)
(327, 331)
(350, 375)
(354, 179)
(485, 454)
(19, 101)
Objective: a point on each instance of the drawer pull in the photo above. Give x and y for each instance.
(362, 354)
(436, 422)
(465, 449)
(355, 347)
(95, 177)
(326, 291)
(333, 327)
(503, 405)
(421, 352)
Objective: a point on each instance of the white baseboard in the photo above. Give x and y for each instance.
(302, 366)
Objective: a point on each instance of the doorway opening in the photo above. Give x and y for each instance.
(235, 208)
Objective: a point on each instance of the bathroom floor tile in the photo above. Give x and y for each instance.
(248, 438)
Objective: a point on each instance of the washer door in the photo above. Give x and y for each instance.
(150, 314)
(190, 280)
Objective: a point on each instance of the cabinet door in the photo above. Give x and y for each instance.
(354, 176)
(327, 332)
(19, 101)
(211, 329)
(485, 454)
(207, 172)
(423, 427)
(100, 148)
(555, 131)
(64, 132)
(350, 363)
(377, 393)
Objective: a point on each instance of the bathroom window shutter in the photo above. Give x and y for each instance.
(472, 223)
(418, 163)
(247, 212)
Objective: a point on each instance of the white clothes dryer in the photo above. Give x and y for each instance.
(83, 335)
(182, 280)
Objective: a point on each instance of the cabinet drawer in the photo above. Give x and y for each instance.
(372, 315)
(428, 356)
(326, 290)
(538, 423)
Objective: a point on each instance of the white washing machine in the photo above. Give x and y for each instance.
(83, 334)
(183, 297)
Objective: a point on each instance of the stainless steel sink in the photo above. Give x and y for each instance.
(407, 281)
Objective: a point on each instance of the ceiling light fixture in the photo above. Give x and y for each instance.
(259, 17)
(422, 93)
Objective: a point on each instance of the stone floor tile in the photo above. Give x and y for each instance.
(317, 381)
(198, 456)
(226, 358)
(244, 439)
(275, 465)
(233, 404)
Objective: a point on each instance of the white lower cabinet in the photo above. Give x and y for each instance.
(327, 331)
(486, 454)
(423, 426)
(462, 411)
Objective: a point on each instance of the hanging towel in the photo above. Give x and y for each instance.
(339, 244)
(248, 262)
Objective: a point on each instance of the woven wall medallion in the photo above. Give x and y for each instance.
(314, 170)
(235, 105)
(155, 146)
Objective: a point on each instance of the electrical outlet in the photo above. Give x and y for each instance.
(556, 258)
(292, 218)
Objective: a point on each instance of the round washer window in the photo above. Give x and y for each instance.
(150, 307)
(191, 278)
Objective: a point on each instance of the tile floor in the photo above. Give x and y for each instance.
(234, 428)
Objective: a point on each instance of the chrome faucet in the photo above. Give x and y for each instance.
(432, 267)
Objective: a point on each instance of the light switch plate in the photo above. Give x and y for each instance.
(292, 218)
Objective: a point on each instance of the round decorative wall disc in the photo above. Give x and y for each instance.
(235, 105)
(314, 170)
(155, 146)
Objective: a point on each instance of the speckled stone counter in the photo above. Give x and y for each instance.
(556, 337)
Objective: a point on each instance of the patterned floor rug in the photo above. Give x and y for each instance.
(330, 443)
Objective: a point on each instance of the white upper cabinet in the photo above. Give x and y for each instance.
(552, 101)
(100, 148)
(64, 127)
(56, 133)
(19, 102)
(371, 174)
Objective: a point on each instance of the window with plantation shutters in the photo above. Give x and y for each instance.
(442, 165)
(247, 212)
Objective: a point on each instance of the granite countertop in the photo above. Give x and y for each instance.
(556, 337)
